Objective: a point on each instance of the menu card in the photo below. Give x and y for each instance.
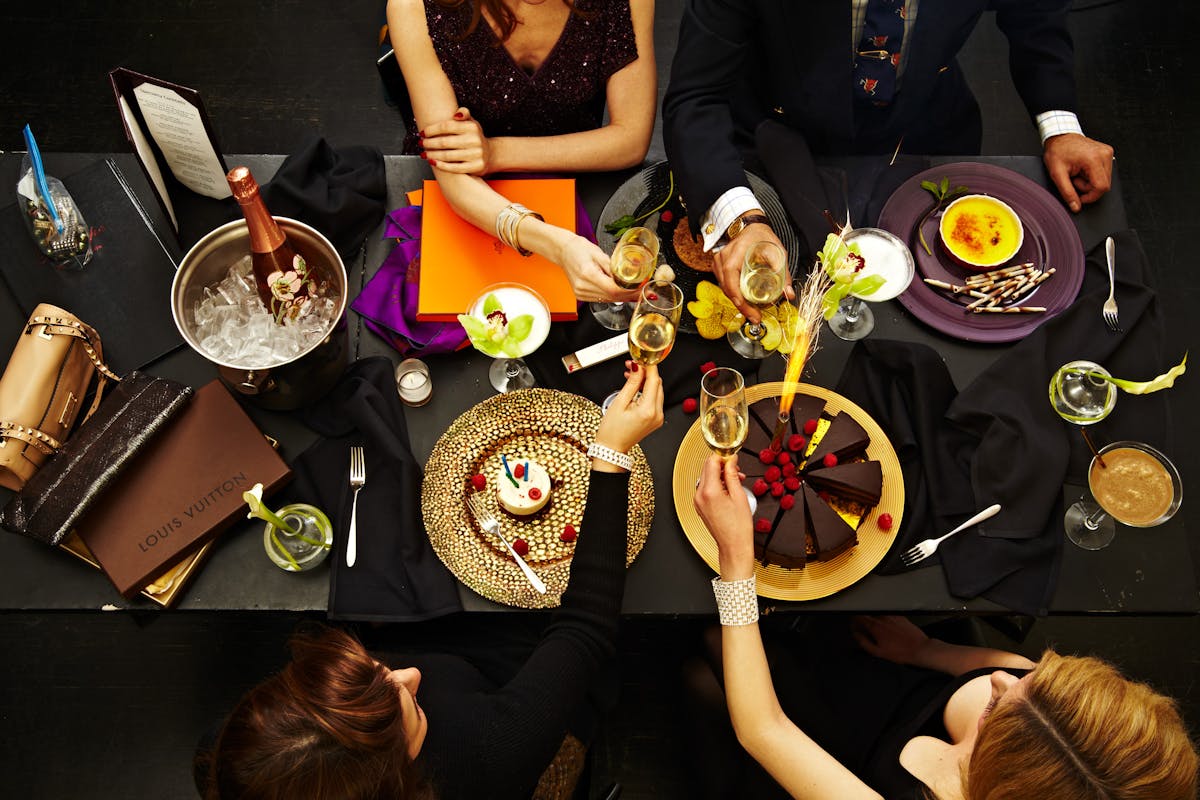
(458, 260)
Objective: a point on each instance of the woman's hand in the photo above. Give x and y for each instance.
(632, 416)
(891, 638)
(587, 269)
(726, 513)
(458, 145)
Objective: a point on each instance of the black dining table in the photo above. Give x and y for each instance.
(1140, 573)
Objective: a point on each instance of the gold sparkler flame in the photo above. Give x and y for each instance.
(807, 330)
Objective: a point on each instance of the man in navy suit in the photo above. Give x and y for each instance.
(740, 62)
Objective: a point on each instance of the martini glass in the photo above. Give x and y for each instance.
(1132, 483)
(764, 274)
(1081, 397)
(517, 302)
(884, 255)
(633, 261)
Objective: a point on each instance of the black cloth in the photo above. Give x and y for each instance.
(494, 739)
(1000, 441)
(397, 576)
(739, 62)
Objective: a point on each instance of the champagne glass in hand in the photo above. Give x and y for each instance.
(655, 320)
(723, 413)
(632, 263)
(764, 275)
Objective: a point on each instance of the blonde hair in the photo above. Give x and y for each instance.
(1082, 731)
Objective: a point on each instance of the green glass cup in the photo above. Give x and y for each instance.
(303, 549)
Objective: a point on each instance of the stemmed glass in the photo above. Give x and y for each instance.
(1132, 483)
(1081, 396)
(883, 255)
(764, 274)
(514, 321)
(724, 417)
(654, 324)
(633, 261)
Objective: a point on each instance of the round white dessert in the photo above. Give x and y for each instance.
(516, 499)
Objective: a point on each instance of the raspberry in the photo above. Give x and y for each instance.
(885, 522)
(707, 367)
(787, 502)
(776, 489)
(766, 456)
(651, 296)
(792, 484)
(520, 547)
(760, 487)
(535, 493)
(568, 533)
(667, 216)
(810, 427)
(789, 470)
(830, 460)
(762, 526)
(796, 442)
(772, 474)
(690, 404)
(519, 471)
(479, 482)
(784, 458)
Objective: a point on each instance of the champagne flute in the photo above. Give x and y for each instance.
(1081, 396)
(655, 321)
(724, 418)
(633, 261)
(764, 274)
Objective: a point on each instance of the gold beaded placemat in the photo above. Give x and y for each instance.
(554, 428)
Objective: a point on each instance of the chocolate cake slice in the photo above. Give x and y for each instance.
(845, 438)
(858, 481)
(789, 544)
(763, 416)
(831, 535)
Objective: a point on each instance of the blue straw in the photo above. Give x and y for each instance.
(39, 174)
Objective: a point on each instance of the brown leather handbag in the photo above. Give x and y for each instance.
(43, 389)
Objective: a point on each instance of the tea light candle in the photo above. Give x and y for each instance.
(412, 381)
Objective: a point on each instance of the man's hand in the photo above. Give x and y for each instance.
(1080, 167)
(727, 265)
(458, 145)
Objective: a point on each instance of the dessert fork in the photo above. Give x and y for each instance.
(492, 526)
(923, 550)
(358, 479)
(1110, 305)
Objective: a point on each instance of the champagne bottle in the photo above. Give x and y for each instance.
(284, 281)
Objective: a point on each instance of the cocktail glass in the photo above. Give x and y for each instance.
(303, 543)
(764, 274)
(1079, 393)
(522, 326)
(633, 261)
(1130, 482)
(884, 255)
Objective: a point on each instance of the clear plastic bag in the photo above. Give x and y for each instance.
(60, 233)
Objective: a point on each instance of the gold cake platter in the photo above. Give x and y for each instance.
(554, 428)
(818, 578)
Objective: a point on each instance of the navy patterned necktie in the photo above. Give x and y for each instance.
(878, 54)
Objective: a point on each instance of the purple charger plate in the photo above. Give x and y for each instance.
(1050, 241)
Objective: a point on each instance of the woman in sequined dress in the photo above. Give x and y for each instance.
(521, 86)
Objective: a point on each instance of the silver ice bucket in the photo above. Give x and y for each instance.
(306, 376)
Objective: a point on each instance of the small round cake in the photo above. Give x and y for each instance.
(532, 490)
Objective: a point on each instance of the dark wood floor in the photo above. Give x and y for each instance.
(99, 705)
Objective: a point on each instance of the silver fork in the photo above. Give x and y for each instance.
(1110, 305)
(358, 479)
(923, 550)
(492, 526)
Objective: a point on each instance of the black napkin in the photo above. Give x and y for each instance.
(397, 576)
(1001, 434)
(680, 372)
(340, 192)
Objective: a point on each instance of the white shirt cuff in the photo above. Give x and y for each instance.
(1056, 123)
(720, 216)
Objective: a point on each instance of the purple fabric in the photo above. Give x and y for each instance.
(388, 303)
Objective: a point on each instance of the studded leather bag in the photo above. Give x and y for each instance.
(43, 389)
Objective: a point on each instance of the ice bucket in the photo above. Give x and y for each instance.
(306, 376)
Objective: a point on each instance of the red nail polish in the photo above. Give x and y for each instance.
(635, 366)
(432, 163)
(421, 133)
(424, 156)
(458, 115)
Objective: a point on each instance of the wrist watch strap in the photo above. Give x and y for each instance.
(741, 223)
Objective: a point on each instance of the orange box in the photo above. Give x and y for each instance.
(459, 260)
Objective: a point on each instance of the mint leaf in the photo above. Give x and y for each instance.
(490, 304)
(519, 327)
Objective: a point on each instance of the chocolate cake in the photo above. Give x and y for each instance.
(796, 522)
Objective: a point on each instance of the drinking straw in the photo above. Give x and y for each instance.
(39, 174)
(1092, 447)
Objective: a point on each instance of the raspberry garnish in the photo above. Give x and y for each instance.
(796, 442)
(784, 458)
(520, 547)
(651, 296)
(830, 460)
(568, 533)
(766, 456)
(707, 367)
(690, 405)
(810, 427)
(760, 487)
(792, 483)
(789, 470)
(535, 493)
(776, 489)
(519, 471)
(787, 502)
(479, 482)
(772, 474)
(885, 522)
(762, 526)
(666, 216)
